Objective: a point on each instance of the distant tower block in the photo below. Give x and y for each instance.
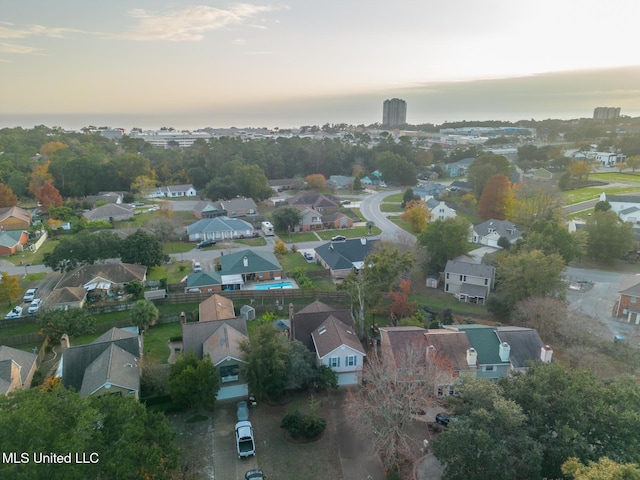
(394, 112)
(606, 113)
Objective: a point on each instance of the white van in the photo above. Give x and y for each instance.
(197, 267)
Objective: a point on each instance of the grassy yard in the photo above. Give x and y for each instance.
(591, 193)
(297, 237)
(33, 258)
(155, 341)
(252, 242)
(391, 207)
(177, 247)
(173, 272)
(355, 232)
(617, 177)
(396, 198)
(291, 261)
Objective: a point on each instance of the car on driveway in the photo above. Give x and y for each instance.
(29, 295)
(308, 255)
(444, 419)
(14, 313)
(206, 243)
(35, 306)
(245, 443)
(197, 267)
(255, 475)
(338, 238)
(242, 411)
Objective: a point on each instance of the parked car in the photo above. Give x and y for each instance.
(29, 295)
(444, 419)
(255, 474)
(14, 313)
(308, 255)
(35, 306)
(206, 243)
(244, 439)
(155, 208)
(197, 267)
(242, 411)
(338, 238)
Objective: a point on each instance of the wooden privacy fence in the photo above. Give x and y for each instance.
(257, 296)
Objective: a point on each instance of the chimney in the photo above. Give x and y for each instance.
(504, 350)
(245, 261)
(546, 353)
(363, 240)
(290, 311)
(472, 357)
(64, 342)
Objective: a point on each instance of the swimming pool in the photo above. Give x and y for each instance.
(273, 286)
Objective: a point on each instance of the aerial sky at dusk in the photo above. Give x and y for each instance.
(212, 63)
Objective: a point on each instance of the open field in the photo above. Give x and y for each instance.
(616, 177)
(591, 193)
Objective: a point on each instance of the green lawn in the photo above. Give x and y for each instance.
(177, 247)
(391, 207)
(617, 177)
(403, 224)
(355, 232)
(252, 242)
(291, 260)
(31, 258)
(591, 193)
(297, 237)
(156, 338)
(398, 197)
(172, 272)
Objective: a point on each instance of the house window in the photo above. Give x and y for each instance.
(334, 362)
(229, 373)
(446, 287)
(634, 299)
(486, 281)
(488, 368)
(351, 361)
(447, 276)
(461, 278)
(261, 274)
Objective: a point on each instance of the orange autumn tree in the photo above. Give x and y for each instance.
(49, 196)
(7, 197)
(316, 181)
(39, 175)
(497, 198)
(417, 214)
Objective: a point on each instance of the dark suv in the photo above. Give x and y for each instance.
(206, 243)
(444, 419)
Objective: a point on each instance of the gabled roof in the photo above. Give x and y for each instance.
(15, 212)
(343, 255)
(311, 317)
(502, 227)
(473, 269)
(219, 224)
(630, 285)
(113, 272)
(25, 360)
(525, 343)
(315, 200)
(485, 340)
(479, 291)
(216, 307)
(76, 359)
(179, 188)
(248, 261)
(629, 210)
(461, 184)
(623, 198)
(113, 367)
(332, 217)
(11, 238)
(195, 334)
(7, 375)
(224, 343)
(236, 204)
(203, 279)
(66, 295)
(453, 345)
(332, 334)
(108, 210)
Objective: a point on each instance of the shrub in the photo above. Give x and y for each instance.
(292, 423)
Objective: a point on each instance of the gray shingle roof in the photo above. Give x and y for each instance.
(501, 227)
(473, 269)
(525, 345)
(218, 224)
(623, 198)
(311, 317)
(332, 333)
(22, 358)
(114, 366)
(479, 291)
(342, 255)
(194, 334)
(113, 272)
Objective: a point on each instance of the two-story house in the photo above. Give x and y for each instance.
(469, 282)
(490, 231)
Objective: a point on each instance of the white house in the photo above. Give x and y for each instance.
(439, 210)
(173, 191)
(337, 346)
(489, 232)
(627, 207)
(605, 159)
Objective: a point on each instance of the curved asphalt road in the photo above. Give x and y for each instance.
(370, 208)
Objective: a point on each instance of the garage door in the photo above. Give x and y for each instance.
(348, 378)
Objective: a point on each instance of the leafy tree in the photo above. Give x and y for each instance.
(497, 198)
(417, 214)
(633, 163)
(535, 200)
(608, 237)
(299, 366)
(60, 213)
(603, 469)
(9, 288)
(84, 248)
(280, 248)
(49, 196)
(544, 314)
(7, 197)
(194, 382)
(409, 196)
(401, 305)
(528, 274)
(490, 440)
(325, 377)
(370, 224)
(144, 249)
(484, 167)
(602, 206)
(39, 176)
(74, 322)
(143, 185)
(444, 240)
(252, 182)
(144, 314)
(357, 184)
(286, 218)
(135, 288)
(550, 236)
(316, 181)
(367, 286)
(266, 367)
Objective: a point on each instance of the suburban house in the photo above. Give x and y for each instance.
(628, 304)
(627, 207)
(65, 298)
(340, 182)
(219, 229)
(280, 184)
(106, 197)
(459, 168)
(14, 218)
(489, 232)
(525, 347)
(108, 365)
(203, 282)
(311, 219)
(109, 212)
(469, 282)
(428, 189)
(316, 201)
(605, 159)
(548, 173)
(237, 268)
(173, 191)
(218, 334)
(460, 185)
(336, 220)
(12, 241)
(492, 356)
(16, 369)
(329, 334)
(236, 207)
(439, 210)
(342, 257)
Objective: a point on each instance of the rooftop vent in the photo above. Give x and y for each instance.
(322, 330)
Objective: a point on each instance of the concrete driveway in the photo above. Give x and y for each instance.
(227, 465)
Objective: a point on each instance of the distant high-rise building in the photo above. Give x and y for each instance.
(394, 112)
(606, 113)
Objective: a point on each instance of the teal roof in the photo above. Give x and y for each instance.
(486, 342)
(10, 238)
(256, 261)
(203, 279)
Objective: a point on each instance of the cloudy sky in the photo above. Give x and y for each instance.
(316, 61)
